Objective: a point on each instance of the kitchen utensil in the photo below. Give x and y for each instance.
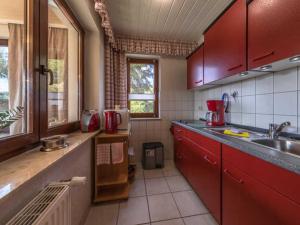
(112, 120)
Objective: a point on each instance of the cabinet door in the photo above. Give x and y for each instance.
(205, 177)
(273, 31)
(225, 44)
(247, 201)
(195, 69)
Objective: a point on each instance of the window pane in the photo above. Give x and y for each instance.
(142, 106)
(15, 74)
(141, 78)
(63, 60)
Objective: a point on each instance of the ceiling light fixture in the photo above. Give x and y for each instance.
(295, 59)
(266, 68)
(244, 74)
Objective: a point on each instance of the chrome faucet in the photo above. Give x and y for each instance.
(275, 129)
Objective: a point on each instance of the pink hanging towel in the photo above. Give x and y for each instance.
(103, 154)
(117, 153)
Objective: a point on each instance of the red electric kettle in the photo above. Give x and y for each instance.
(111, 121)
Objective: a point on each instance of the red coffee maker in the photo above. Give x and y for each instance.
(215, 116)
(111, 121)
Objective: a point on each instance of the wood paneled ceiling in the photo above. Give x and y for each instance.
(183, 20)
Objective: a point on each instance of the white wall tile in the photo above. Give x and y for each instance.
(264, 104)
(236, 105)
(236, 118)
(225, 89)
(292, 119)
(248, 104)
(263, 99)
(248, 119)
(264, 84)
(285, 103)
(248, 87)
(285, 80)
(236, 87)
(263, 121)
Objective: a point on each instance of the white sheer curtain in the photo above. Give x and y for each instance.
(16, 73)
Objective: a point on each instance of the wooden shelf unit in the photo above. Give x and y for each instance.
(111, 180)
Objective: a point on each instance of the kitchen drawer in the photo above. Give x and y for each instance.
(208, 144)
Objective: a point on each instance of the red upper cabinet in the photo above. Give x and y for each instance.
(225, 44)
(273, 31)
(195, 69)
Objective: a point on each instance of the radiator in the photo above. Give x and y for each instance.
(52, 206)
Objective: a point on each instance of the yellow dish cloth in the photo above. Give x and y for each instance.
(243, 134)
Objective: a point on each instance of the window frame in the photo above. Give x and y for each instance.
(155, 62)
(4, 42)
(72, 126)
(36, 20)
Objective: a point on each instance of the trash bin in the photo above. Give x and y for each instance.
(153, 155)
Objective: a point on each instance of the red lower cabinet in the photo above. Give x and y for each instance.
(237, 188)
(246, 201)
(205, 178)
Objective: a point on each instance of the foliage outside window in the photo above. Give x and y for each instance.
(143, 87)
(4, 94)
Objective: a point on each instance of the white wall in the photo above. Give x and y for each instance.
(176, 102)
(94, 71)
(94, 53)
(274, 97)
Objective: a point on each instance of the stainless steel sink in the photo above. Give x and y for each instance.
(286, 146)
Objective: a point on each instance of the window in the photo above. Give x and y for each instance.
(142, 87)
(41, 55)
(4, 94)
(63, 60)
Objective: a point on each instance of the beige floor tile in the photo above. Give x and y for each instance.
(169, 164)
(134, 211)
(206, 219)
(137, 188)
(170, 222)
(139, 174)
(103, 215)
(153, 173)
(189, 204)
(178, 183)
(162, 207)
(156, 186)
(171, 172)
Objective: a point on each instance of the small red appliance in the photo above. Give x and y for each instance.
(111, 121)
(215, 116)
(90, 121)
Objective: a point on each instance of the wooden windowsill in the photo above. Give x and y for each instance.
(150, 118)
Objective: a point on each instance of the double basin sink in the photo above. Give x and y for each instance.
(281, 144)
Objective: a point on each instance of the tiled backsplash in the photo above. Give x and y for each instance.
(274, 97)
(176, 102)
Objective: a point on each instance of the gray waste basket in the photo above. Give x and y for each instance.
(153, 155)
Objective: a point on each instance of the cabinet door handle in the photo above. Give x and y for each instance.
(210, 161)
(198, 82)
(238, 180)
(235, 67)
(263, 56)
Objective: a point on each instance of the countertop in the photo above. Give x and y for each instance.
(281, 159)
(16, 171)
